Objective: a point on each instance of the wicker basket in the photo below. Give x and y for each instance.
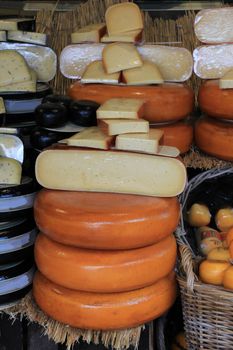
(207, 309)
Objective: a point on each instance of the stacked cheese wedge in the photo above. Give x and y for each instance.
(214, 64)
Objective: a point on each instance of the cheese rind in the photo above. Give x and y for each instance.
(226, 82)
(2, 35)
(2, 106)
(10, 171)
(91, 137)
(27, 86)
(123, 126)
(95, 73)
(120, 56)
(132, 36)
(123, 17)
(121, 108)
(90, 33)
(27, 37)
(147, 74)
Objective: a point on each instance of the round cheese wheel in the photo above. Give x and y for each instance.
(100, 311)
(105, 220)
(214, 101)
(104, 271)
(215, 138)
(179, 135)
(163, 102)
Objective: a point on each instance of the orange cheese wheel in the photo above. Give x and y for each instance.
(215, 138)
(163, 102)
(100, 311)
(228, 278)
(212, 271)
(104, 271)
(105, 220)
(214, 101)
(178, 135)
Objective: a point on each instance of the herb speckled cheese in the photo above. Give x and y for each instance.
(27, 86)
(2, 35)
(2, 106)
(27, 37)
(10, 171)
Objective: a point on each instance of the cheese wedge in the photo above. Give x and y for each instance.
(134, 36)
(95, 73)
(90, 33)
(27, 37)
(121, 108)
(123, 126)
(2, 35)
(147, 74)
(16, 23)
(123, 17)
(27, 86)
(120, 56)
(91, 137)
(226, 82)
(109, 171)
(2, 106)
(10, 171)
(148, 143)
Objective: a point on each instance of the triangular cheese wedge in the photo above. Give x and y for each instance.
(91, 137)
(95, 73)
(148, 73)
(226, 82)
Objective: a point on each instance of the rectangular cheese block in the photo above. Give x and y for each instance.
(91, 137)
(27, 86)
(95, 73)
(10, 171)
(27, 37)
(110, 171)
(133, 36)
(13, 68)
(2, 35)
(148, 143)
(123, 126)
(90, 33)
(120, 56)
(148, 73)
(121, 108)
(2, 106)
(17, 23)
(226, 82)
(123, 17)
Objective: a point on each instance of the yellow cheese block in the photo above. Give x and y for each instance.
(28, 86)
(132, 36)
(147, 74)
(89, 33)
(121, 108)
(95, 73)
(123, 126)
(91, 137)
(10, 171)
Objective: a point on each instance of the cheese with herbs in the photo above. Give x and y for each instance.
(27, 37)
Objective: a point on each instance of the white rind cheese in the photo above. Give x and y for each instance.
(2, 106)
(10, 171)
(27, 86)
(123, 126)
(121, 108)
(133, 36)
(147, 74)
(2, 35)
(226, 82)
(27, 37)
(91, 137)
(95, 73)
(90, 33)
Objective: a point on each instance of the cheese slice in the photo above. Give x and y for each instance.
(110, 171)
(121, 108)
(2, 106)
(226, 82)
(27, 37)
(90, 33)
(16, 23)
(168, 151)
(95, 73)
(148, 143)
(13, 68)
(123, 126)
(2, 35)
(147, 74)
(10, 171)
(91, 137)
(27, 86)
(119, 56)
(133, 36)
(123, 17)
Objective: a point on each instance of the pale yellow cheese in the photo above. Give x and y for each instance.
(10, 171)
(110, 171)
(89, 33)
(168, 151)
(2, 106)
(127, 37)
(2, 35)
(27, 37)
(121, 108)
(123, 126)
(91, 137)
(95, 73)
(226, 82)
(123, 17)
(27, 86)
(12, 23)
(119, 56)
(147, 74)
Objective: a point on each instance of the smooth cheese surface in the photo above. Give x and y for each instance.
(91, 137)
(162, 103)
(89, 33)
(28, 86)
(104, 271)
(174, 63)
(119, 172)
(123, 126)
(2, 35)
(27, 37)
(147, 74)
(214, 26)
(105, 220)
(2, 106)
(10, 171)
(132, 36)
(226, 82)
(121, 108)
(119, 56)
(95, 73)
(104, 311)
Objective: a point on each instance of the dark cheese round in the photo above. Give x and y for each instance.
(83, 113)
(61, 99)
(41, 138)
(49, 115)
(15, 214)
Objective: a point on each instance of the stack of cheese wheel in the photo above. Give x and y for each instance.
(214, 64)
(112, 66)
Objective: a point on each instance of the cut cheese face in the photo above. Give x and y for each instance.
(123, 17)
(95, 73)
(121, 108)
(91, 137)
(90, 33)
(10, 171)
(133, 36)
(168, 151)
(2, 106)
(226, 82)
(13, 68)
(147, 74)
(120, 56)
(117, 172)
(123, 126)
(14, 23)
(2, 35)
(27, 86)
(148, 143)
(27, 37)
